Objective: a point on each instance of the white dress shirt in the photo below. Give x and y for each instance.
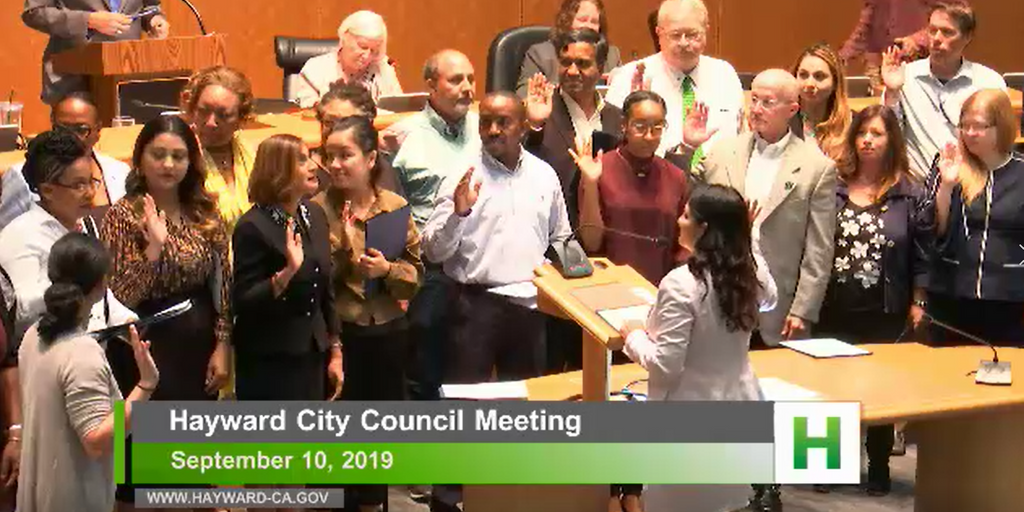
(17, 198)
(517, 216)
(715, 82)
(930, 110)
(583, 126)
(25, 254)
(762, 170)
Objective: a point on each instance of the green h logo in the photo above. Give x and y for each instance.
(802, 443)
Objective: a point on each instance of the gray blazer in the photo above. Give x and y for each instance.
(797, 233)
(541, 58)
(67, 24)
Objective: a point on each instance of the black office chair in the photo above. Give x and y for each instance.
(746, 80)
(1016, 81)
(293, 52)
(505, 57)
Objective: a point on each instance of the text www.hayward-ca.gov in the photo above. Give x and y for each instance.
(238, 497)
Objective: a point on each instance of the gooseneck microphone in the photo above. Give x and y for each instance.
(571, 260)
(195, 12)
(988, 372)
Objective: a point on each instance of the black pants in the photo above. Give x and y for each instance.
(998, 322)
(429, 329)
(375, 361)
(880, 439)
(491, 333)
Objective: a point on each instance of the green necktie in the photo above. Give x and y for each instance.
(689, 99)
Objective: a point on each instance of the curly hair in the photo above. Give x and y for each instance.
(567, 13)
(198, 205)
(228, 78)
(49, 155)
(724, 254)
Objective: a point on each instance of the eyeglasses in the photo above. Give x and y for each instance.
(222, 116)
(975, 128)
(765, 104)
(640, 128)
(685, 35)
(80, 186)
(80, 129)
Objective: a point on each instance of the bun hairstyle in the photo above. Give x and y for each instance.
(78, 263)
(49, 155)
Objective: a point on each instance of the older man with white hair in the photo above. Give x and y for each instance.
(361, 58)
(682, 75)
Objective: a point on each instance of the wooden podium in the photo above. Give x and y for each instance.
(555, 297)
(110, 64)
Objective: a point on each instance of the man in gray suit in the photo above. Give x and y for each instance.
(791, 186)
(71, 23)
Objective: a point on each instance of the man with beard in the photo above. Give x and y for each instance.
(683, 76)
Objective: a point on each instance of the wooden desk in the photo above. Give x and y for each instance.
(970, 442)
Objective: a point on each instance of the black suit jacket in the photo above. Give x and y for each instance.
(302, 318)
(552, 145)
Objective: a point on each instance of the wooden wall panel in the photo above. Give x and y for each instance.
(752, 34)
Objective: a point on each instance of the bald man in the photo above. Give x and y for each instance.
(361, 58)
(682, 75)
(793, 184)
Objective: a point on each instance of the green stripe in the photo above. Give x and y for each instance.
(468, 463)
(119, 442)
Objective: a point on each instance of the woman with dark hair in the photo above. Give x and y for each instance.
(285, 325)
(368, 287)
(572, 15)
(977, 282)
(824, 113)
(879, 276)
(217, 101)
(69, 390)
(169, 245)
(632, 190)
(696, 339)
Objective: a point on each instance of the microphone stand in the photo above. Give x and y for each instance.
(571, 260)
(195, 13)
(991, 372)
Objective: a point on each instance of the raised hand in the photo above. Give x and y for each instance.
(753, 210)
(950, 162)
(639, 83)
(695, 127)
(590, 167)
(466, 194)
(293, 253)
(149, 375)
(154, 228)
(538, 99)
(894, 74)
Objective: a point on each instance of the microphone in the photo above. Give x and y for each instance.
(143, 104)
(195, 12)
(992, 372)
(571, 260)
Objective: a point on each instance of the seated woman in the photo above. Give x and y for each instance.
(878, 281)
(572, 15)
(696, 340)
(67, 461)
(824, 112)
(632, 190)
(216, 102)
(976, 282)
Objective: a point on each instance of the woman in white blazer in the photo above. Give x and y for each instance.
(695, 342)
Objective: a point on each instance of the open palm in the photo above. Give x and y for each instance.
(893, 70)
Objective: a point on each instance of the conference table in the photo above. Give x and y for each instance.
(970, 437)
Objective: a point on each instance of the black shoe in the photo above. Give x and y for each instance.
(879, 480)
(437, 505)
(772, 501)
(878, 488)
(823, 488)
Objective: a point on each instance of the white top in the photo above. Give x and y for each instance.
(25, 254)
(716, 84)
(687, 348)
(517, 216)
(583, 126)
(318, 73)
(930, 110)
(17, 198)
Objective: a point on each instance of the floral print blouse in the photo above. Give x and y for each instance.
(860, 245)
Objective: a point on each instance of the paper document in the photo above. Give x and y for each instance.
(778, 390)
(523, 293)
(509, 390)
(619, 316)
(825, 347)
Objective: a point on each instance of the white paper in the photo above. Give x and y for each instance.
(619, 316)
(509, 390)
(523, 293)
(643, 294)
(825, 347)
(778, 390)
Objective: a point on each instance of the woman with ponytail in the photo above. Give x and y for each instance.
(695, 341)
(69, 390)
